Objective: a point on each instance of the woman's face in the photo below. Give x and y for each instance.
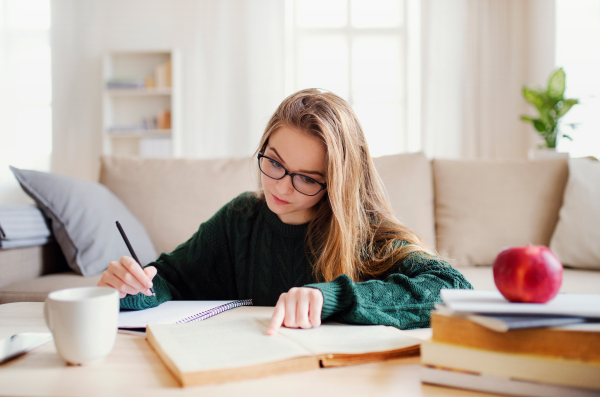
(299, 153)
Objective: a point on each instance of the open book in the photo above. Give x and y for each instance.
(223, 350)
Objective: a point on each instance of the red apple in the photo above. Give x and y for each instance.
(531, 274)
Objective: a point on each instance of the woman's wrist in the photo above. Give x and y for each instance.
(337, 295)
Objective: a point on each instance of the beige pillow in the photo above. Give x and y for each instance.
(484, 206)
(409, 184)
(576, 240)
(172, 197)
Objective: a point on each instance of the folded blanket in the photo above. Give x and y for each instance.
(23, 226)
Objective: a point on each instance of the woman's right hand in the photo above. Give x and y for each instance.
(128, 277)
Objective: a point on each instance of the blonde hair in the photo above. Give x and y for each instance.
(354, 231)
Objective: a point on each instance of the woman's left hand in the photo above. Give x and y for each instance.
(297, 308)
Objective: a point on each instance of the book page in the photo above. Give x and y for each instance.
(334, 338)
(167, 313)
(220, 344)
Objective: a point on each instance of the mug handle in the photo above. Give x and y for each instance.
(47, 315)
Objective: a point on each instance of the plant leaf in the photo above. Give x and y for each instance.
(545, 115)
(568, 137)
(556, 85)
(539, 125)
(533, 96)
(527, 118)
(567, 105)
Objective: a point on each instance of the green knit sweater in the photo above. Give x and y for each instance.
(245, 252)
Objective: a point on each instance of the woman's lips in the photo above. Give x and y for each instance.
(278, 200)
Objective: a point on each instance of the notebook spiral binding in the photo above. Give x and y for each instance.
(214, 311)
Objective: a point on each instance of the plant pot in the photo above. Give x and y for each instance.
(546, 154)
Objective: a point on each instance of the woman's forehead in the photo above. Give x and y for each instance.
(298, 149)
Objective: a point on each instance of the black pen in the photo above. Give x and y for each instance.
(130, 248)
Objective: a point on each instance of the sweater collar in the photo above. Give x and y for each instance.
(284, 229)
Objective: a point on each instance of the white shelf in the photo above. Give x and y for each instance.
(138, 91)
(142, 106)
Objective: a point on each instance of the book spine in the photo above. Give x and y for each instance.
(214, 311)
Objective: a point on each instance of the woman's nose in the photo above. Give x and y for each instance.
(284, 186)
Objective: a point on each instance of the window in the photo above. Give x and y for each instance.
(25, 91)
(358, 50)
(578, 52)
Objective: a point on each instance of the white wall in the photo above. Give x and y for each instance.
(232, 71)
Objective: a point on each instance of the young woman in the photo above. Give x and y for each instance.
(319, 241)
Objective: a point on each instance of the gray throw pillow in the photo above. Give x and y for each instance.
(83, 215)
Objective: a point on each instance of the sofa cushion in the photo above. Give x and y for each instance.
(483, 206)
(575, 281)
(408, 181)
(37, 289)
(83, 215)
(172, 197)
(576, 240)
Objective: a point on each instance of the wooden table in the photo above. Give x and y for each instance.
(134, 369)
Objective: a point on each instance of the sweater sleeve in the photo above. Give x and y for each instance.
(403, 300)
(199, 269)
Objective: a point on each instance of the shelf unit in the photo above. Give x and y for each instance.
(135, 94)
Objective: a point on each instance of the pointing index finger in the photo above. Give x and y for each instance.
(277, 318)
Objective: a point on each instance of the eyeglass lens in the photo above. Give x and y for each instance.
(301, 183)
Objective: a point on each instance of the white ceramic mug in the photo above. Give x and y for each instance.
(83, 322)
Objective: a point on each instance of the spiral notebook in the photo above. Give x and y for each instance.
(176, 312)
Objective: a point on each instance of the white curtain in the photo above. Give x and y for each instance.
(232, 71)
(477, 55)
(239, 53)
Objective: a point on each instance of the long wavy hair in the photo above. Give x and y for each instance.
(354, 231)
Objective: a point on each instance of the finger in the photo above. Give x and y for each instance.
(121, 294)
(102, 283)
(291, 303)
(302, 310)
(136, 270)
(316, 307)
(150, 271)
(278, 316)
(116, 282)
(124, 272)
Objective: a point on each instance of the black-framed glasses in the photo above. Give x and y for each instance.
(302, 183)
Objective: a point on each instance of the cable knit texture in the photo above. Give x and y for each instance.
(245, 252)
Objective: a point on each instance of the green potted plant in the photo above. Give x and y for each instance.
(551, 106)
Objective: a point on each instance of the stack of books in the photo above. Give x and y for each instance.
(482, 342)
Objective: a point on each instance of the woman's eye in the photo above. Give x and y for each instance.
(274, 164)
(308, 180)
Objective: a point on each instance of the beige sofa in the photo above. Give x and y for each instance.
(467, 210)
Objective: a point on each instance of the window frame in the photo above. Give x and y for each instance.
(406, 50)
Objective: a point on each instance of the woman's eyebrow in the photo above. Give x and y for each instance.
(300, 171)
